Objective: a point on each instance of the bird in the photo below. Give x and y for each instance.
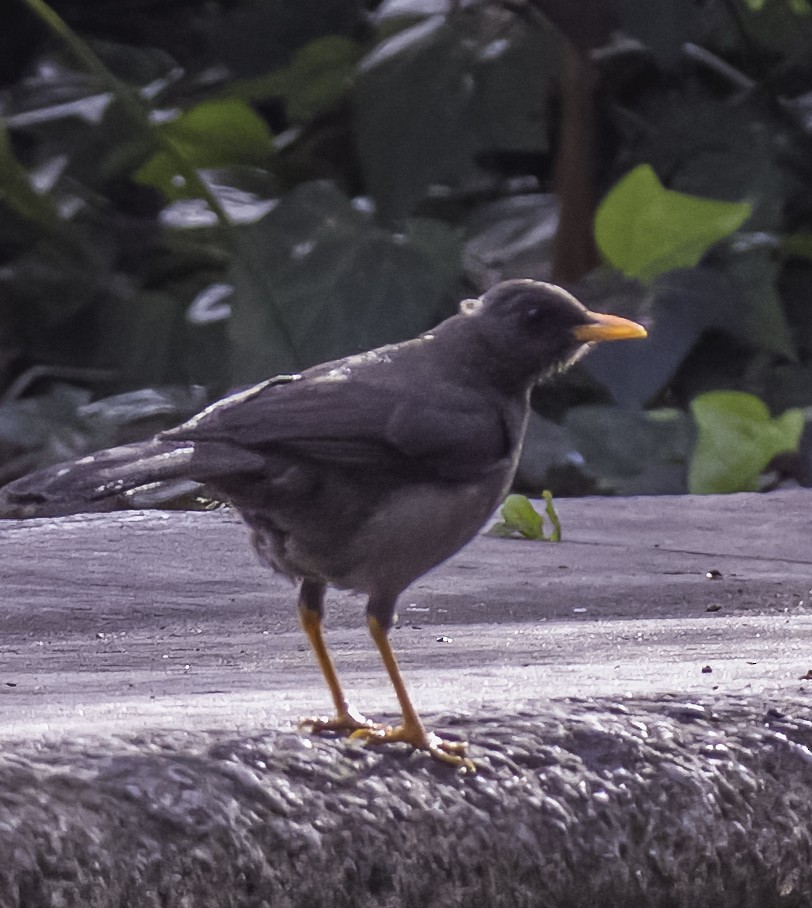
(362, 473)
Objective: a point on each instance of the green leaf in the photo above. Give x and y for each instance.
(432, 98)
(319, 75)
(339, 283)
(552, 516)
(211, 134)
(737, 439)
(644, 229)
(413, 113)
(520, 517)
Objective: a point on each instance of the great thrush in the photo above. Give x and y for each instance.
(365, 472)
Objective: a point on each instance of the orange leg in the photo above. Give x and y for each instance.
(346, 718)
(411, 731)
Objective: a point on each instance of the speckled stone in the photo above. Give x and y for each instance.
(641, 802)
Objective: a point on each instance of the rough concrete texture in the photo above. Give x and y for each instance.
(643, 731)
(673, 803)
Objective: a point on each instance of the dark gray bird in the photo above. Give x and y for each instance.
(365, 472)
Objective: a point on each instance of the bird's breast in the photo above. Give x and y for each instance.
(416, 528)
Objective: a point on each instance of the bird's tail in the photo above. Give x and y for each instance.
(106, 481)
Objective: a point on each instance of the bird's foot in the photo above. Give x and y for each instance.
(449, 752)
(348, 720)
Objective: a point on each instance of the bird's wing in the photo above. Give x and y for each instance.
(449, 434)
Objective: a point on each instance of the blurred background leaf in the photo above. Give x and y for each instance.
(340, 283)
(644, 229)
(197, 195)
(210, 134)
(737, 440)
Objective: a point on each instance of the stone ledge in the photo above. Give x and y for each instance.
(576, 803)
(127, 638)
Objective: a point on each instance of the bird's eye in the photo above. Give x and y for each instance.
(532, 315)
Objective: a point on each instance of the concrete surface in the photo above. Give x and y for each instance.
(636, 698)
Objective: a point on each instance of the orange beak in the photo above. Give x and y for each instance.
(608, 328)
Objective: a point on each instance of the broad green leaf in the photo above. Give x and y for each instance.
(737, 439)
(644, 229)
(519, 514)
(211, 134)
(432, 97)
(413, 104)
(319, 75)
(520, 517)
(338, 282)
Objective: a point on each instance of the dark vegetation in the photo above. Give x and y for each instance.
(195, 196)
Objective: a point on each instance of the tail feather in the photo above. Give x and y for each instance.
(99, 482)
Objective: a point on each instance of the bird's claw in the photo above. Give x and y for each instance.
(349, 721)
(450, 752)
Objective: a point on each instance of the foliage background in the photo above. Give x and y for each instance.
(196, 195)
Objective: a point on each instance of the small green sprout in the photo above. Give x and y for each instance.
(521, 519)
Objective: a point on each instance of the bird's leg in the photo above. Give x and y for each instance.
(311, 611)
(411, 731)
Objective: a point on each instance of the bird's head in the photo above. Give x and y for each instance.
(533, 328)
